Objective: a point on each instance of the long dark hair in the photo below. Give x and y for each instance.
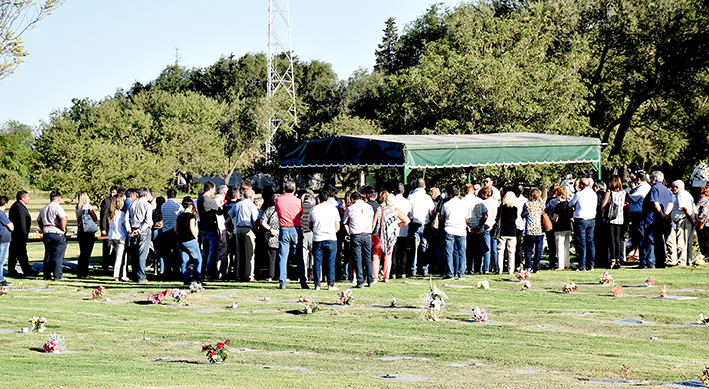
(269, 197)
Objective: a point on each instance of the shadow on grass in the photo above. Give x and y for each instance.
(180, 361)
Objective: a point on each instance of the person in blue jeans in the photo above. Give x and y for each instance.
(208, 210)
(6, 228)
(656, 222)
(324, 222)
(454, 218)
(187, 231)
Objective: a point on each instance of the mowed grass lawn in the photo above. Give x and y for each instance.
(125, 343)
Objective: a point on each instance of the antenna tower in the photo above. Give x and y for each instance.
(279, 43)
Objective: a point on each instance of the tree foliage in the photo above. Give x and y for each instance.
(16, 18)
(16, 144)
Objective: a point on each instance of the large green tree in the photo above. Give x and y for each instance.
(143, 140)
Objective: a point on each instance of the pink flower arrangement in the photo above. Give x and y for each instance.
(345, 297)
(480, 315)
(526, 285)
(51, 346)
(98, 292)
(605, 278)
(569, 287)
(663, 293)
(648, 281)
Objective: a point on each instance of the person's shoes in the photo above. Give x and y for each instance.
(385, 280)
(269, 279)
(393, 277)
(87, 278)
(650, 267)
(281, 287)
(304, 286)
(639, 267)
(317, 287)
(125, 279)
(144, 282)
(403, 276)
(448, 278)
(590, 268)
(5, 283)
(580, 269)
(369, 285)
(61, 279)
(332, 288)
(252, 279)
(118, 279)
(359, 286)
(461, 278)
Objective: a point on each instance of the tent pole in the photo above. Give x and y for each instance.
(597, 165)
(406, 175)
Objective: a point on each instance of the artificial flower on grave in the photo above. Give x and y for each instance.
(703, 319)
(617, 290)
(38, 323)
(704, 376)
(698, 261)
(345, 297)
(523, 274)
(663, 292)
(98, 292)
(526, 285)
(605, 278)
(569, 287)
(178, 295)
(312, 307)
(55, 344)
(217, 354)
(434, 301)
(302, 299)
(196, 287)
(393, 302)
(649, 281)
(480, 315)
(156, 298)
(3, 290)
(484, 284)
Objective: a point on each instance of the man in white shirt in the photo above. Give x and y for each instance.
(584, 203)
(244, 216)
(682, 215)
(401, 250)
(358, 220)
(520, 223)
(456, 228)
(52, 221)
(324, 222)
(421, 210)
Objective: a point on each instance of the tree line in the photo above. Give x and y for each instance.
(630, 72)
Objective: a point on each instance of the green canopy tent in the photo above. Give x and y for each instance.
(441, 151)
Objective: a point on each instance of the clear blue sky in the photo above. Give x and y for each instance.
(90, 48)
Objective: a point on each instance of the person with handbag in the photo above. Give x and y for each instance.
(534, 236)
(612, 210)
(563, 216)
(85, 233)
(702, 223)
(385, 226)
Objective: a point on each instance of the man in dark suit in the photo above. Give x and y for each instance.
(20, 217)
(105, 205)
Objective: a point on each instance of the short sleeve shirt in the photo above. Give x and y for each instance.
(324, 218)
(455, 211)
(51, 217)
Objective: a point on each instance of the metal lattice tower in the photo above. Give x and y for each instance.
(279, 43)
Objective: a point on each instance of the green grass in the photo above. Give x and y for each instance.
(124, 344)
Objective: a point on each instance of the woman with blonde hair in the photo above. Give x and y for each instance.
(506, 218)
(118, 229)
(533, 233)
(86, 238)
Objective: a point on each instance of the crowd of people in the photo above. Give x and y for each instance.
(368, 235)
